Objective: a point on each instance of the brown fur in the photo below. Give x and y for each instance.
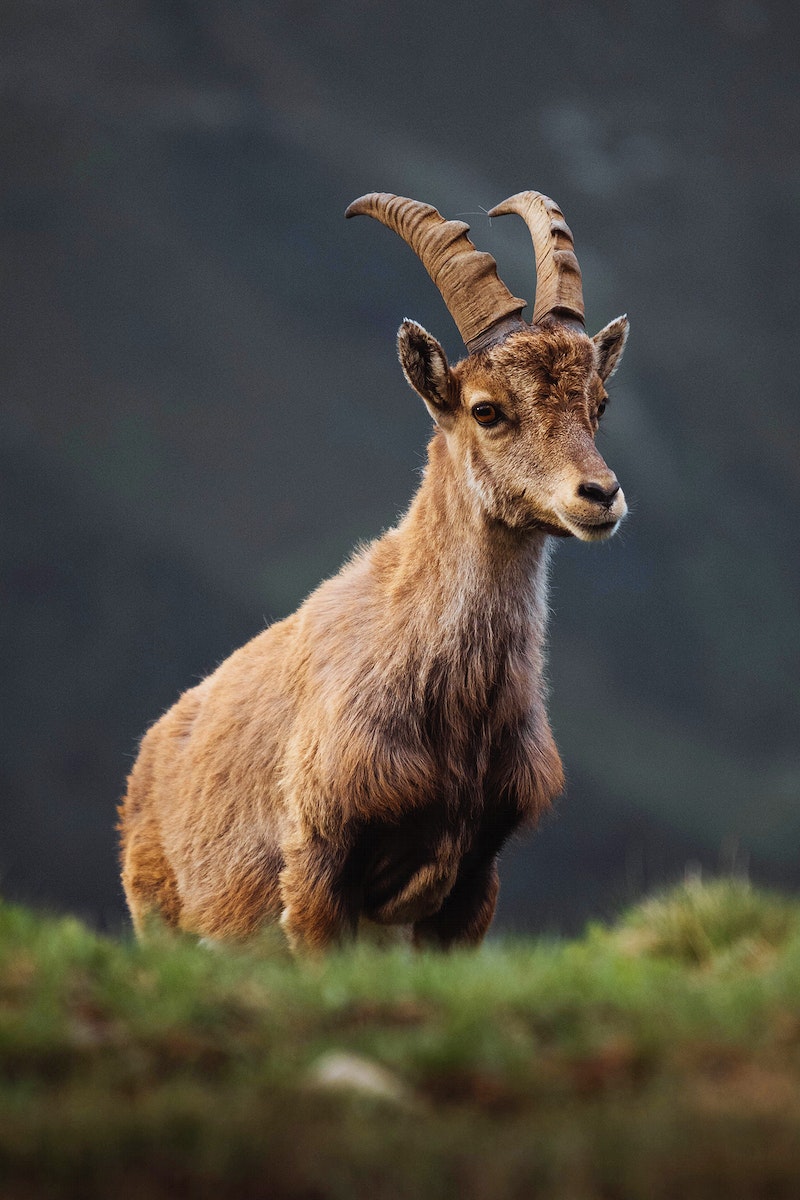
(368, 756)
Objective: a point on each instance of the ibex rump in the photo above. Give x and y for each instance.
(369, 755)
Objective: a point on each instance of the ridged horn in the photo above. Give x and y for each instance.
(559, 290)
(478, 301)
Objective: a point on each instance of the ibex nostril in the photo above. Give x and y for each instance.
(599, 493)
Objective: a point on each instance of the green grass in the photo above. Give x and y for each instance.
(655, 1059)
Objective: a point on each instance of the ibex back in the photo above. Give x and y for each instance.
(368, 756)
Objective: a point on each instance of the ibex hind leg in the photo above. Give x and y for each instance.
(149, 882)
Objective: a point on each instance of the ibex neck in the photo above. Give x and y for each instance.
(460, 564)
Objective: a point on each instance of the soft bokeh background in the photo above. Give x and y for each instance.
(202, 410)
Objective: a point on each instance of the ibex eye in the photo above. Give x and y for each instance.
(601, 408)
(486, 414)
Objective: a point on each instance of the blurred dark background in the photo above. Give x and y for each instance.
(202, 409)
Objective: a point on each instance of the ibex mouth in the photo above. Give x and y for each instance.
(594, 531)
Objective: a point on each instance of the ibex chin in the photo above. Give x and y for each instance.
(368, 756)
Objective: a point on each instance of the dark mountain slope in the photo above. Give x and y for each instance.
(193, 334)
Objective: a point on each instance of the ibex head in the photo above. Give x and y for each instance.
(521, 411)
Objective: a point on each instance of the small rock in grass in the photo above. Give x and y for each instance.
(340, 1071)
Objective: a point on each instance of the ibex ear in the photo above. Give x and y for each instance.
(610, 342)
(425, 366)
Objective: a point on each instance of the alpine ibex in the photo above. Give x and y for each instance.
(368, 756)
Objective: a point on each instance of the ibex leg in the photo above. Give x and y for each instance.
(319, 908)
(467, 912)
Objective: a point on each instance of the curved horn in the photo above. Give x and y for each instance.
(558, 276)
(478, 301)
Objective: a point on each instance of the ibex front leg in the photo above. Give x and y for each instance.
(320, 908)
(467, 912)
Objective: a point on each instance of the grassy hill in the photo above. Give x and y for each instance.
(659, 1057)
